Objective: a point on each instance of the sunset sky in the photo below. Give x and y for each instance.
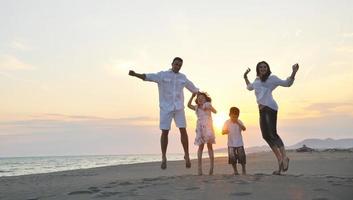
(64, 88)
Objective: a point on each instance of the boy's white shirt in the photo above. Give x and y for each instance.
(263, 90)
(170, 87)
(235, 138)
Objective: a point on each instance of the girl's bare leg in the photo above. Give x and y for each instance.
(199, 159)
(211, 156)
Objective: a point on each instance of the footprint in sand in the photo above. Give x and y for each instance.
(320, 190)
(94, 189)
(80, 192)
(125, 183)
(240, 194)
(192, 188)
(107, 194)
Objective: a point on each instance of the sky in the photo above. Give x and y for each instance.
(64, 88)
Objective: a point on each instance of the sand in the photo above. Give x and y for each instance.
(314, 176)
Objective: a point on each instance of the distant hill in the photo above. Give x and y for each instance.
(324, 143)
(312, 143)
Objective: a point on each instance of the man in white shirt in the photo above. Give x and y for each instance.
(171, 103)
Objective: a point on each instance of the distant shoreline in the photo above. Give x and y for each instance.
(333, 179)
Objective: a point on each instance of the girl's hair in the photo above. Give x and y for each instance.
(207, 97)
(265, 77)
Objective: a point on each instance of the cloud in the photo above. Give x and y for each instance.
(20, 45)
(347, 35)
(298, 32)
(330, 108)
(345, 49)
(116, 66)
(59, 122)
(11, 62)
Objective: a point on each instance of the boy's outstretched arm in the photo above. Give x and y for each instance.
(192, 107)
(140, 76)
(225, 132)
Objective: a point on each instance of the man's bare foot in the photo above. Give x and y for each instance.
(187, 161)
(285, 164)
(164, 163)
(199, 172)
(210, 172)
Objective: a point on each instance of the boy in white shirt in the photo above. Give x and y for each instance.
(233, 127)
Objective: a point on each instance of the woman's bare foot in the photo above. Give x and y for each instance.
(277, 172)
(285, 164)
(280, 167)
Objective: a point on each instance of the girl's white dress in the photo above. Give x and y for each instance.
(204, 126)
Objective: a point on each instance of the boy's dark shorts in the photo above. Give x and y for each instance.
(236, 155)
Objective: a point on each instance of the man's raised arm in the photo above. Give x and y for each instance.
(140, 76)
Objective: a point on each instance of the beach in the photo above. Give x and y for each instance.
(315, 176)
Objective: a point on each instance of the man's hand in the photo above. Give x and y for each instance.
(295, 67)
(132, 73)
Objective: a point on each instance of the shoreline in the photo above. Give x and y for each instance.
(314, 175)
(193, 157)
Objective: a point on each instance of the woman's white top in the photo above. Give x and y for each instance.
(263, 90)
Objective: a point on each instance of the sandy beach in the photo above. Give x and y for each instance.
(314, 176)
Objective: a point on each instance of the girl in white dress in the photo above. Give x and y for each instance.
(204, 127)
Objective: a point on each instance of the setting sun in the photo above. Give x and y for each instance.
(218, 121)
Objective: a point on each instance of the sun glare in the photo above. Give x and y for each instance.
(218, 121)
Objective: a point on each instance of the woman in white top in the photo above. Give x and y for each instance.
(263, 85)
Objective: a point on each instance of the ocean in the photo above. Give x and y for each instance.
(17, 166)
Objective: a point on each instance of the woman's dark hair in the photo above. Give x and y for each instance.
(207, 97)
(265, 77)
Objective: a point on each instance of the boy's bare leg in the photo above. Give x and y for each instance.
(235, 169)
(185, 142)
(164, 145)
(243, 169)
(199, 159)
(211, 156)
